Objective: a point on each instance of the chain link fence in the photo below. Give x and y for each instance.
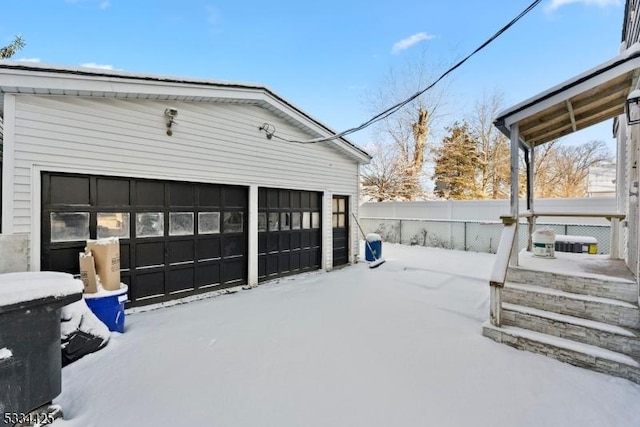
(472, 236)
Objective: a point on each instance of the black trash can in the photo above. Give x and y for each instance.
(30, 359)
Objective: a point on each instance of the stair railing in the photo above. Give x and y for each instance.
(499, 272)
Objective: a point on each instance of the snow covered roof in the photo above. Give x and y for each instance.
(587, 99)
(46, 79)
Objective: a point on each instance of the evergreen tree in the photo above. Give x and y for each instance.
(11, 49)
(456, 165)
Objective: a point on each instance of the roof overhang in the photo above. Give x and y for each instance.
(585, 100)
(43, 79)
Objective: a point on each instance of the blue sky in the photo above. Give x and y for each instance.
(325, 56)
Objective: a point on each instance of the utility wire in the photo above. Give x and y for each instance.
(391, 110)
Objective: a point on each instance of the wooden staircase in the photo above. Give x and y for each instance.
(588, 320)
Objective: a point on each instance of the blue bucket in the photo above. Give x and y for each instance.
(109, 307)
(373, 250)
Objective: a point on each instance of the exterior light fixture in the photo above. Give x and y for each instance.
(268, 129)
(633, 107)
(170, 115)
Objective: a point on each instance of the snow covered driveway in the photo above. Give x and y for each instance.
(400, 345)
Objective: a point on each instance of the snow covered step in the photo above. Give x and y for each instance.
(578, 354)
(600, 334)
(600, 309)
(620, 289)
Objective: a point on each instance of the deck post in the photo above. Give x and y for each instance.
(515, 212)
(530, 196)
(614, 251)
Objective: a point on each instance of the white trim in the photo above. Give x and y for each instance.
(570, 88)
(326, 261)
(8, 163)
(252, 247)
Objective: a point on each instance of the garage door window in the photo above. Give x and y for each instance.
(295, 221)
(208, 222)
(233, 222)
(113, 224)
(306, 220)
(273, 221)
(315, 219)
(69, 226)
(285, 221)
(180, 223)
(262, 221)
(150, 224)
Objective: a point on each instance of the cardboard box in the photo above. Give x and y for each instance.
(106, 253)
(88, 273)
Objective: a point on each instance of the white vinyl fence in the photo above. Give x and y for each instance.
(458, 229)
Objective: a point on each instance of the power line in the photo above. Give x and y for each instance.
(391, 110)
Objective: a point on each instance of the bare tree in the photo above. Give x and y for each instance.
(562, 170)
(405, 134)
(384, 178)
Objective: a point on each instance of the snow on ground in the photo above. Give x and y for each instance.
(399, 345)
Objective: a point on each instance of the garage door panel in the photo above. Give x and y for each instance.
(305, 259)
(284, 241)
(125, 255)
(233, 246)
(149, 253)
(233, 271)
(113, 192)
(208, 248)
(181, 194)
(66, 259)
(284, 262)
(305, 239)
(262, 266)
(234, 197)
(295, 261)
(272, 264)
(262, 243)
(181, 251)
(208, 274)
(148, 284)
(150, 193)
(70, 190)
(209, 195)
(181, 279)
(295, 240)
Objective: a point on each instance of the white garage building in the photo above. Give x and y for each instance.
(195, 177)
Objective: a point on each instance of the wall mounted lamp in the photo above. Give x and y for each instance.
(632, 107)
(268, 129)
(170, 115)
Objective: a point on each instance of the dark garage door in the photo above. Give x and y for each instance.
(176, 238)
(340, 220)
(289, 233)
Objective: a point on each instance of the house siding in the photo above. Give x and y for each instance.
(211, 142)
(628, 157)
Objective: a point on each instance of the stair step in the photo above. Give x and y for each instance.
(575, 353)
(586, 331)
(615, 288)
(606, 310)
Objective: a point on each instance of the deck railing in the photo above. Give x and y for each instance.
(613, 217)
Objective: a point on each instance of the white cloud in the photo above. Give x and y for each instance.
(556, 4)
(94, 65)
(410, 41)
(28, 59)
(105, 4)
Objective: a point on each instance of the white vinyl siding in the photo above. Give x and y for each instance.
(211, 142)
